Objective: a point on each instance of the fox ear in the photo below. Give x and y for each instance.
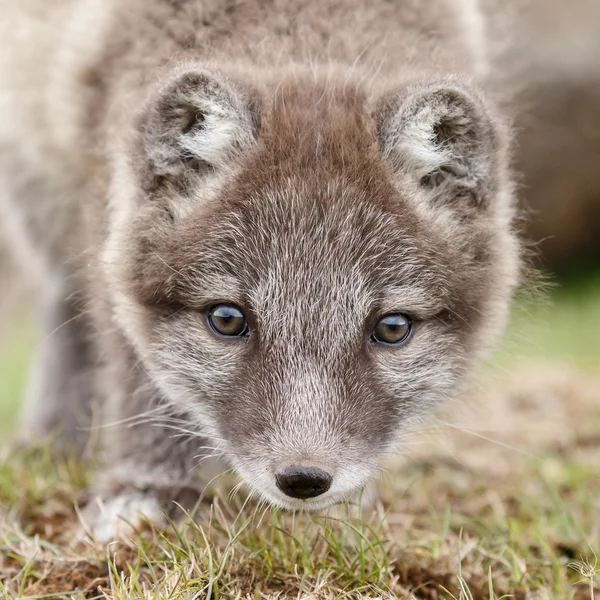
(197, 122)
(442, 138)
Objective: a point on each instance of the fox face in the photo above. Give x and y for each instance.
(307, 269)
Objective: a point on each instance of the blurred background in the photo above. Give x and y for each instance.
(552, 66)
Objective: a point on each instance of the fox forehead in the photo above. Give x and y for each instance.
(312, 211)
(298, 251)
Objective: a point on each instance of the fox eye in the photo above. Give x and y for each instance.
(228, 320)
(392, 330)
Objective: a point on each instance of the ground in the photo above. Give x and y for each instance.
(498, 496)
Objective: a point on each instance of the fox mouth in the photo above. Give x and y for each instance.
(277, 499)
(303, 489)
(309, 505)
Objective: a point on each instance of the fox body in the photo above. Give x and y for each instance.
(231, 209)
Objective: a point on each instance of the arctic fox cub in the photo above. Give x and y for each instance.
(273, 232)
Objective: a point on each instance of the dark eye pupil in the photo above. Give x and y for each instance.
(228, 320)
(393, 329)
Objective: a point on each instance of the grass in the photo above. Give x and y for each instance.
(500, 497)
(447, 532)
(563, 327)
(15, 350)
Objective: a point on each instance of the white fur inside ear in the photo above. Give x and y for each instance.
(198, 115)
(442, 130)
(222, 133)
(415, 141)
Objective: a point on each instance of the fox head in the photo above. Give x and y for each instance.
(307, 268)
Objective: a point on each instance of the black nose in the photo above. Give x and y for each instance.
(303, 482)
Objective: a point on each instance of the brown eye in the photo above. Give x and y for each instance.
(392, 330)
(229, 320)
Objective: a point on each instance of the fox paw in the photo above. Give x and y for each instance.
(122, 515)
